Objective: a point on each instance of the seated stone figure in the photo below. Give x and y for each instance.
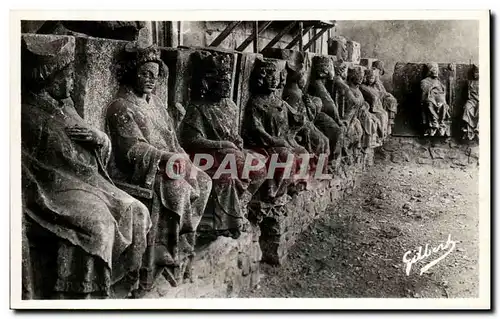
(348, 114)
(355, 107)
(435, 109)
(373, 96)
(88, 233)
(147, 154)
(389, 102)
(309, 136)
(328, 120)
(211, 127)
(471, 108)
(266, 128)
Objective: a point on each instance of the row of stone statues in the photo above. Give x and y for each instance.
(105, 204)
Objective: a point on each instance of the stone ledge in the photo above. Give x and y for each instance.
(222, 269)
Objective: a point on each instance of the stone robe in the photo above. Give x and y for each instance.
(205, 125)
(101, 231)
(142, 133)
(435, 108)
(389, 103)
(373, 96)
(471, 111)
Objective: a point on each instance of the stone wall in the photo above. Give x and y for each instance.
(225, 266)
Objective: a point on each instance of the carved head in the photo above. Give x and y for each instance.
(323, 67)
(296, 73)
(341, 70)
(214, 75)
(371, 76)
(141, 67)
(48, 66)
(474, 72)
(355, 75)
(379, 65)
(432, 69)
(268, 75)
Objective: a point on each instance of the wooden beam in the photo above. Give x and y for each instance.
(249, 40)
(256, 37)
(224, 34)
(301, 39)
(316, 36)
(280, 35)
(298, 37)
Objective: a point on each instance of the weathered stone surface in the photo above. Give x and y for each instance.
(367, 62)
(438, 153)
(337, 46)
(220, 270)
(281, 226)
(353, 52)
(244, 69)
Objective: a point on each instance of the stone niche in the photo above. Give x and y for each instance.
(353, 51)
(337, 46)
(406, 84)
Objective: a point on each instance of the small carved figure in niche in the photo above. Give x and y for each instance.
(373, 96)
(328, 120)
(147, 154)
(309, 136)
(471, 108)
(211, 127)
(435, 109)
(348, 114)
(355, 106)
(388, 100)
(267, 127)
(93, 233)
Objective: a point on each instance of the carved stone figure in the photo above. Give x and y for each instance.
(211, 127)
(309, 135)
(471, 108)
(372, 95)
(348, 115)
(148, 157)
(388, 100)
(89, 234)
(355, 107)
(328, 120)
(435, 109)
(267, 126)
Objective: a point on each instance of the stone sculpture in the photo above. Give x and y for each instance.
(435, 109)
(150, 163)
(309, 136)
(211, 127)
(267, 127)
(388, 100)
(328, 120)
(89, 235)
(471, 108)
(372, 95)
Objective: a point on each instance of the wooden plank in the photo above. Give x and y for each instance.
(298, 37)
(249, 40)
(256, 37)
(224, 34)
(319, 34)
(301, 38)
(280, 35)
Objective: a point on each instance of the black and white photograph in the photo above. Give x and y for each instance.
(252, 161)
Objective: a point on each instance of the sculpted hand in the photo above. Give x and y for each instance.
(227, 144)
(86, 135)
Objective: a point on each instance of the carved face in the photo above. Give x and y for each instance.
(269, 78)
(147, 75)
(475, 73)
(433, 70)
(217, 85)
(325, 71)
(356, 76)
(62, 84)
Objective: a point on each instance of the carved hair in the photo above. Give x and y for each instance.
(266, 63)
